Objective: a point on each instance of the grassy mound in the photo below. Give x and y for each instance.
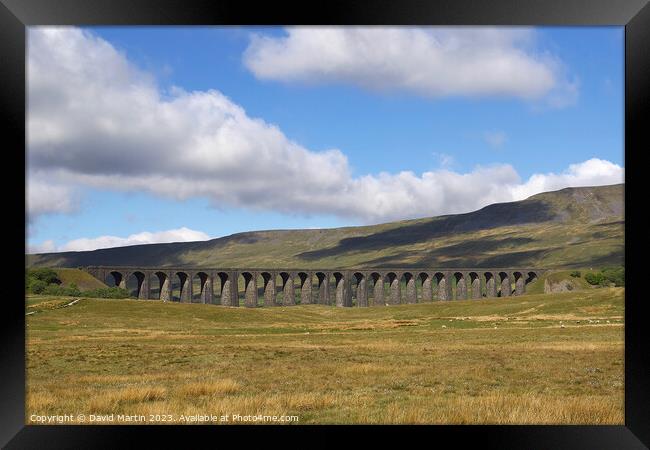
(82, 279)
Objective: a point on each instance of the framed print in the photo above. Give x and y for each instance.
(402, 218)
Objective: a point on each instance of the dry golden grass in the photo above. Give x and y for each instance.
(504, 409)
(113, 400)
(41, 401)
(215, 387)
(334, 365)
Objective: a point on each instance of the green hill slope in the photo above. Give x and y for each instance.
(83, 280)
(573, 227)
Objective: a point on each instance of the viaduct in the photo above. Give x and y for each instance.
(363, 287)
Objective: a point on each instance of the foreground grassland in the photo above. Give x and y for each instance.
(550, 358)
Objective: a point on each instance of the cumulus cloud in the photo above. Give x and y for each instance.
(593, 172)
(49, 197)
(407, 195)
(431, 61)
(177, 235)
(95, 120)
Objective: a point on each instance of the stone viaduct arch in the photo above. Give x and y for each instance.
(361, 291)
(377, 289)
(343, 288)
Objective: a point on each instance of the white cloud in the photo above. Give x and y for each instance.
(593, 172)
(177, 235)
(431, 61)
(495, 139)
(94, 120)
(44, 247)
(49, 197)
(407, 195)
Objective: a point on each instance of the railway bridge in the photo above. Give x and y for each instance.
(341, 287)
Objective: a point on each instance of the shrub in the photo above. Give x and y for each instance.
(36, 286)
(46, 275)
(575, 274)
(111, 292)
(615, 275)
(595, 278)
(37, 281)
(73, 291)
(52, 289)
(45, 281)
(69, 291)
(607, 276)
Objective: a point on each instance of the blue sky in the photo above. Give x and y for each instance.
(559, 120)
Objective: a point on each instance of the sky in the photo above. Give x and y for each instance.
(164, 134)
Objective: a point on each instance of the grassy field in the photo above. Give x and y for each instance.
(553, 358)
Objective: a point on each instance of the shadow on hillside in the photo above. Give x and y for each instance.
(159, 255)
(615, 258)
(465, 254)
(608, 224)
(493, 216)
(136, 255)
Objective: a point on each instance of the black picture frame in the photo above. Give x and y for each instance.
(15, 15)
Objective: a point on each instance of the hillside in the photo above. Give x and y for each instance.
(572, 227)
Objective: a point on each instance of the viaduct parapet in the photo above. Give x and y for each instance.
(349, 287)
